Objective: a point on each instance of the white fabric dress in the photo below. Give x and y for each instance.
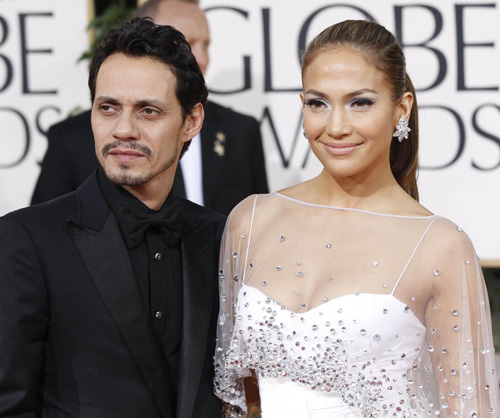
(349, 313)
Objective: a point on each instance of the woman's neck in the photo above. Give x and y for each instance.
(383, 196)
(362, 193)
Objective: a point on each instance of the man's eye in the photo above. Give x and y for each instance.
(149, 111)
(105, 108)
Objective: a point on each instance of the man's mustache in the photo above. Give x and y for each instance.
(126, 145)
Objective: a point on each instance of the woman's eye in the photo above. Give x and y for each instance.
(315, 103)
(362, 103)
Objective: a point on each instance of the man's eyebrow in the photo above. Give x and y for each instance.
(150, 102)
(106, 99)
(138, 103)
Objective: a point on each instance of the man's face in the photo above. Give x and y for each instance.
(137, 121)
(189, 19)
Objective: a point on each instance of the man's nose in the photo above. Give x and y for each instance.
(125, 126)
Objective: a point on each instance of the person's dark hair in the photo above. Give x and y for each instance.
(140, 37)
(384, 51)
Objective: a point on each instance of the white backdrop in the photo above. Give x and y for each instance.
(40, 83)
(453, 54)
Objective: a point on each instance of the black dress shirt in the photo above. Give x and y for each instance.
(157, 263)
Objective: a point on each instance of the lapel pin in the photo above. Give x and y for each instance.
(219, 143)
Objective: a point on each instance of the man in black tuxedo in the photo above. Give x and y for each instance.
(108, 300)
(225, 163)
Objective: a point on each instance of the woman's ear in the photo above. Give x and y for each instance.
(405, 106)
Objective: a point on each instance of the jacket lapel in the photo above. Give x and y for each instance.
(198, 242)
(98, 239)
(213, 147)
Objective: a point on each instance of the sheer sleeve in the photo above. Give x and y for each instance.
(456, 375)
(230, 366)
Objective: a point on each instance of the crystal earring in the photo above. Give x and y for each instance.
(304, 132)
(402, 130)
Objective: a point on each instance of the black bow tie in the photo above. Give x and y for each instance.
(135, 221)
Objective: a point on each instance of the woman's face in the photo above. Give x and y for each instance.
(349, 115)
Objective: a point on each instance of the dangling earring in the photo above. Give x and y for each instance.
(402, 130)
(304, 132)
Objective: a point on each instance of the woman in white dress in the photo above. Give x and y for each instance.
(345, 295)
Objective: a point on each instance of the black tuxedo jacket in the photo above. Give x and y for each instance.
(232, 158)
(75, 338)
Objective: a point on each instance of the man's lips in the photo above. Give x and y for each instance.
(125, 154)
(341, 149)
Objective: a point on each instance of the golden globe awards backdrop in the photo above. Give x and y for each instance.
(41, 82)
(453, 54)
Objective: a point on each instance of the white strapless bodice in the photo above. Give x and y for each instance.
(353, 351)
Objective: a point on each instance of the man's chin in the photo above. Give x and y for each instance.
(125, 177)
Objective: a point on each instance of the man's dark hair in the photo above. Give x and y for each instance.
(140, 37)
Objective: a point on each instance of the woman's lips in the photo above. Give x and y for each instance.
(341, 149)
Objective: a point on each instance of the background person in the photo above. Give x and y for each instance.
(344, 294)
(225, 163)
(109, 294)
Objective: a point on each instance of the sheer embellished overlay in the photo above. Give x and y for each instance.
(343, 312)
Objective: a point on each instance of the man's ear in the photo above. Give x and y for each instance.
(193, 122)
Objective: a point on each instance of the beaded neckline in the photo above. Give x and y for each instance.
(331, 302)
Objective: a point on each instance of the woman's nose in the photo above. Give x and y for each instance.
(338, 125)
